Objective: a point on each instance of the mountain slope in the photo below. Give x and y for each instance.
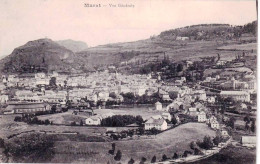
(72, 45)
(38, 56)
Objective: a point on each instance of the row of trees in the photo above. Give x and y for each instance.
(31, 119)
(122, 120)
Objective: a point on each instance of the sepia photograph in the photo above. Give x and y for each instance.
(128, 81)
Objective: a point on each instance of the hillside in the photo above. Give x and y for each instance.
(187, 43)
(72, 45)
(38, 56)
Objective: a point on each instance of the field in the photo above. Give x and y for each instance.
(168, 142)
(240, 47)
(63, 118)
(67, 117)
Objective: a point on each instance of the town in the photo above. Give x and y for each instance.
(107, 106)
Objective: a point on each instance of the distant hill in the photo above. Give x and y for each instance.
(187, 43)
(38, 56)
(72, 45)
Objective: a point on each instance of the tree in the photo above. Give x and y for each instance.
(193, 145)
(18, 119)
(113, 146)
(186, 153)
(153, 159)
(207, 143)
(174, 120)
(217, 140)
(231, 122)
(81, 123)
(118, 156)
(164, 157)
(53, 109)
(247, 126)
(175, 156)
(53, 82)
(73, 123)
(112, 95)
(197, 152)
(47, 122)
(143, 159)
(179, 67)
(139, 120)
(131, 161)
(2, 143)
(253, 126)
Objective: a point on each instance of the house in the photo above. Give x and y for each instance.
(211, 119)
(159, 124)
(24, 108)
(224, 133)
(249, 141)
(214, 124)
(164, 95)
(211, 100)
(193, 112)
(202, 117)
(182, 38)
(158, 106)
(94, 120)
(166, 116)
(3, 98)
(236, 95)
(174, 105)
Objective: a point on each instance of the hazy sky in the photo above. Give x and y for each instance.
(25, 20)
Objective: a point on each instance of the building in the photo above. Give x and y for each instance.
(193, 112)
(159, 124)
(25, 108)
(202, 117)
(214, 124)
(94, 120)
(211, 100)
(236, 95)
(182, 38)
(158, 106)
(4, 98)
(166, 116)
(249, 141)
(224, 133)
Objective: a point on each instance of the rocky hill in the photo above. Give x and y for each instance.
(38, 56)
(72, 45)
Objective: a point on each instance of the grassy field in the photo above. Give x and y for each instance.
(63, 118)
(67, 117)
(240, 47)
(168, 142)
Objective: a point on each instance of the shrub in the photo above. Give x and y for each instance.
(131, 161)
(118, 156)
(153, 159)
(164, 157)
(175, 156)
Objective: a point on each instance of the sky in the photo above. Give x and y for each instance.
(25, 20)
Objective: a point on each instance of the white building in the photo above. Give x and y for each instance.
(158, 106)
(159, 124)
(166, 116)
(202, 117)
(236, 95)
(249, 141)
(94, 120)
(214, 124)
